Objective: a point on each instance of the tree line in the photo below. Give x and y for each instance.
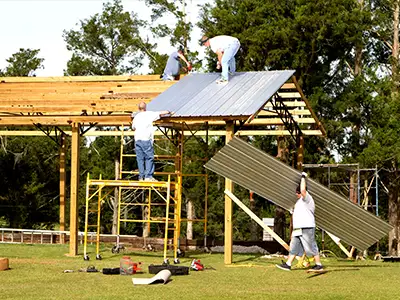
(345, 54)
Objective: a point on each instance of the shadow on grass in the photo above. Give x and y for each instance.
(315, 274)
(359, 266)
(247, 259)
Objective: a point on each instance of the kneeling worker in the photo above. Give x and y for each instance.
(173, 65)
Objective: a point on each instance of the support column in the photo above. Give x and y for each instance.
(178, 191)
(280, 213)
(352, 191)
(62, 189)
(73, 227)
(228, 237)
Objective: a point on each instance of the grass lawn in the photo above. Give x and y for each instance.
(37, 273)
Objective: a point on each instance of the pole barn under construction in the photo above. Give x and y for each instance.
(253, 103)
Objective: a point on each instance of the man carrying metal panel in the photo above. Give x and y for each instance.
(142, 123)
(303, 234)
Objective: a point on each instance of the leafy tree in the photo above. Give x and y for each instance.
(338, 48)
(105, 42)
(23, 63)
(179, 34)
(301, 35)
(98, 159)
(316, 39)
(29, 183)
(108, 43)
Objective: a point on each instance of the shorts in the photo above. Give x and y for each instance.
(304, 243)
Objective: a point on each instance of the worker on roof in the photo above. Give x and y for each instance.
(303, 234)
(142, 123)
(173, 66)
(226, 48)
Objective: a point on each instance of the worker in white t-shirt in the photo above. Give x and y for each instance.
(142, 123)
(225, 47)
(303, 234)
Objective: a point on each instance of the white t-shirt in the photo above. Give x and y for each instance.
(142, 123)
(221, 42)
(303, 214)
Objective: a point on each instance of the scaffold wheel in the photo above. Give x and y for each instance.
(180, 253)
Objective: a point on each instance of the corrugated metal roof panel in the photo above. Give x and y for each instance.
(277, 182)
(198, 95)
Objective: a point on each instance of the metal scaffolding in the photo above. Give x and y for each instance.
(371, 182)
(160, 201)
(351, 187)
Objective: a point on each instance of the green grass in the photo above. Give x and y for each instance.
(37, 273)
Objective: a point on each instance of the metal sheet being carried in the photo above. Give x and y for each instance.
(268, 177)
(198, 95)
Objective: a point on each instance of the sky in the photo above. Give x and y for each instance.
(39, 24)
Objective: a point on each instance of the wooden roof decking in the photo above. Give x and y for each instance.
(109, 100)
(71, 96)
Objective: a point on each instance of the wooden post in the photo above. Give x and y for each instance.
(178, 191)
(62, 189)
(353, 191)
(73, 226)
(280, 213)
(253, 227)
(228, 238)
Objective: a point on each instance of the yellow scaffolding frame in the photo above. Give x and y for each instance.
(173, 207)
(98, 185)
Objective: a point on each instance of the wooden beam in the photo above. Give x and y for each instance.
(63, 177)
(296, 103)
(278, 121)
(293, 112)
(119, 110)
(81, 78)
(257, 219)
(130, 95)
(206, 118)
(159, 133)
(288, 86)
(73, 226)
(74, 109)
(228, 237)
(114, 119)
(337, 242)
(36, 92)
(65, 102)
(287, 95)
(276, 132)
(80, 86)
(66, 120)
(260, 121)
